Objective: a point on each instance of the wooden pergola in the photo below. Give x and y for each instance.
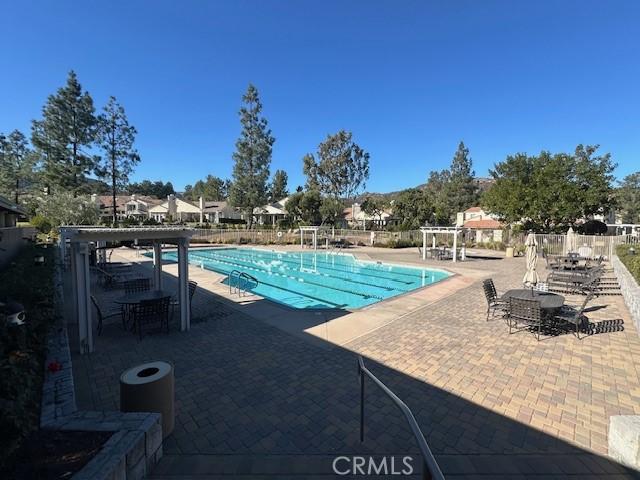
(80, 237)
(435, 230)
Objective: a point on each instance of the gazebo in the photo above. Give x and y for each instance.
(435, 230)
(79, 238)
(314, 235)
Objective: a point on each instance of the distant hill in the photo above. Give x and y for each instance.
(483, 184)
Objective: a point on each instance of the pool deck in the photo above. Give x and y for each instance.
(264, 396)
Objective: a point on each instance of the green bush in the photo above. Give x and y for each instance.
(631, 261)
(22, 348)
(41, 223)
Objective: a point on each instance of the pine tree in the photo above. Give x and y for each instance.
(461, 189)
(116, 137)
(252, 157)
(64, 136)
(17, 163)
(278, 189)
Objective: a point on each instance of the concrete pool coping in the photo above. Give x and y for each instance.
(335, 326)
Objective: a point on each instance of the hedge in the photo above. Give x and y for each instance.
(631, 261)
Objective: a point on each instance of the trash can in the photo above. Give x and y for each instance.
(509, 252)
(149, 388)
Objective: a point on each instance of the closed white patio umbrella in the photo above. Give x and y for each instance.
(531, 254)
(570, 241)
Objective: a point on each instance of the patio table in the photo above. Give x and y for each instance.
(138, 297)
(548, 301)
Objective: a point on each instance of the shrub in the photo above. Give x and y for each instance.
(22, 348)
(41, 223)
(631, 261)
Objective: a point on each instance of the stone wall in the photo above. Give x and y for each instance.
(629, 288)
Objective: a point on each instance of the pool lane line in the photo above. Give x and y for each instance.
(240, 258)
(363, 295)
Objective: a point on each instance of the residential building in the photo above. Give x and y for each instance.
(127, 206)
(269, 214)
(175, 209)
(12, 237)
(214, 211)
(358, 218)
(484, 226)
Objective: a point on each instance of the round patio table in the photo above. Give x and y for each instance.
(137, 297)
(548, 301)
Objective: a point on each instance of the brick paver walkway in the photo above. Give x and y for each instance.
(251, 398)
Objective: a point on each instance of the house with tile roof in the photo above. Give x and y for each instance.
(485, 226)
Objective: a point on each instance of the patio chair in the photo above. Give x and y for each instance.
(574, 315)
(149, 312)
(102, 317)
(176, 303)
(137, 285)
(525, 314)
(494, 303)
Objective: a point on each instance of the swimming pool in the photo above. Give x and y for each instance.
(314, 280)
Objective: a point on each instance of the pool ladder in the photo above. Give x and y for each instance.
(239, 284)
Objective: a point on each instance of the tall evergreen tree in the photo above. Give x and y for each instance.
(462, 189)
(116, 137)
(252, 157)
(17, 163)
(278, 189)
(628, 196)
(64, 136)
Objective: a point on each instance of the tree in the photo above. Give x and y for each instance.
(65, 135)
(331, 210)
(437, 190)
(461, 189)
(628, 198)
(252, 157)
(413, 208)
(64, 209)
(156, 189)
(116, 137)
(304, 207)
(374, 207)
(342, 167)
(17, 163)
(549, 192)
(278, 189)
(212, 188)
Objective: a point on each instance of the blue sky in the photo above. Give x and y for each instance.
(410, 79)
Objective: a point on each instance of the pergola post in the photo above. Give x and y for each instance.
(455, 245)
(183, 284)
(157, 265)
(80, 255)
(424, 244)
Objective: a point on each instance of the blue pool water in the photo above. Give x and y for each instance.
(314, 280)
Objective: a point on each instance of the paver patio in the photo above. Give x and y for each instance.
(253, 399)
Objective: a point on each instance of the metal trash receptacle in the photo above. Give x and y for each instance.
(150, 388)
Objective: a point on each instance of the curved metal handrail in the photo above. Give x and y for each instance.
(431, 468)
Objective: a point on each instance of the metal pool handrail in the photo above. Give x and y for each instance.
(431, 468)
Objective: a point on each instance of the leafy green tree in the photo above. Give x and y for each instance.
(252, 157)
(342, 167)
(437, 190)
(374, 207)
(304, 207)
(17, 162)
(331, 211)
(157, 189)
(65, 135)
(64, 209)
(628, 197)
(116, 137)
(212, 188)
(413, 208)
(278, 189)
(549, 192)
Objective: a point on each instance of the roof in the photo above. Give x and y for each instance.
(275, 208)
(473, 210)
(121, 200)
(216, 206)
(9, 206)
(487, 223)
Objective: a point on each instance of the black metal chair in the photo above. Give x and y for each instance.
(101, 316)
(137, 285)
(192, 290)
(525, 314)
(149, 312)
(575, 316)
(494, 303)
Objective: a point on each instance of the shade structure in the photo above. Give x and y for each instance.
(531, 254)
(570, 243)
